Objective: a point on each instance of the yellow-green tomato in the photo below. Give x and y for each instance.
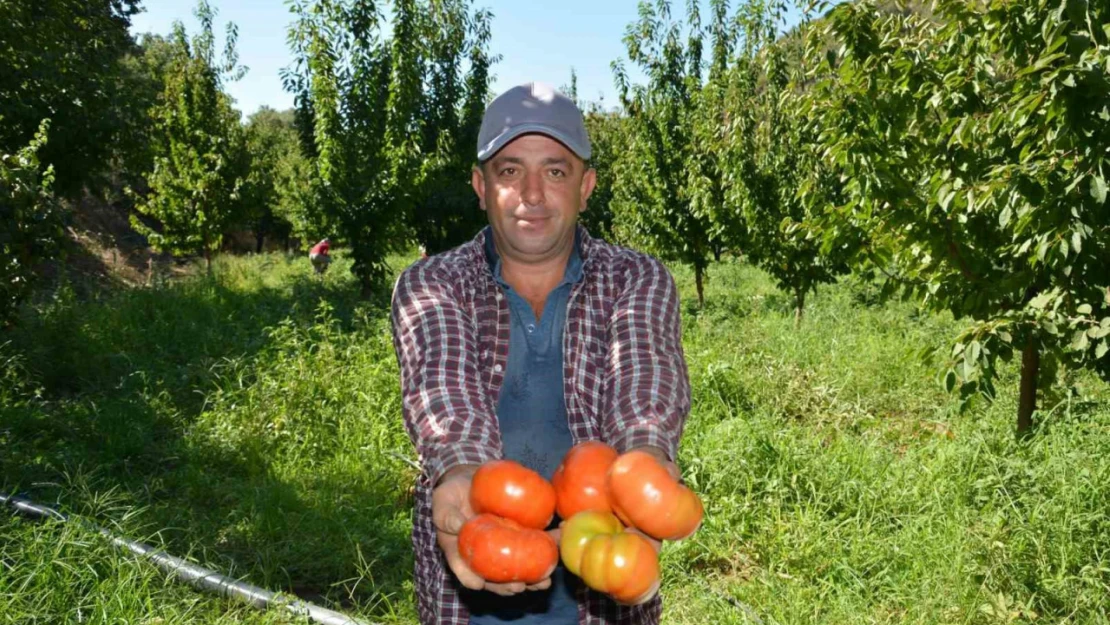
(623, 566)
(579, 529)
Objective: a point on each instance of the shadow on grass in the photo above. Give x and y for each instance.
(122, 379)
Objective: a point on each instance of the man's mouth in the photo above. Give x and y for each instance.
(533, 219)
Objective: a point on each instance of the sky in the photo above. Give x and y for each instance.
(537, 40)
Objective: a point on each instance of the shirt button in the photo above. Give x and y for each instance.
(531, 328)
(497, 368)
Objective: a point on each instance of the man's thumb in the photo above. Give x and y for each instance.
(454, 521)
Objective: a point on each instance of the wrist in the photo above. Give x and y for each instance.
(459, 471)
(657, 452)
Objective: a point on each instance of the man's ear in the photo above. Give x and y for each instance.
(589, 181)
(478, 181)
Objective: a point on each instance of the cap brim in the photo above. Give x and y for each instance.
(503, 139)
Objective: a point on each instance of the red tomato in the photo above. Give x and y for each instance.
(501, 551)
(580, 480)
(509, 490)
(645, 496)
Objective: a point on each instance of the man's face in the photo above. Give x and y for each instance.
(532, 191)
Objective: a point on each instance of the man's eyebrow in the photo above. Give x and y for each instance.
(516, 160)
(497, 162)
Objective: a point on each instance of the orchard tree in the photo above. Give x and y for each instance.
(446, 211)
(202, 161)
(607, 131)
(654, 204)
(30, 222)
(706, 176)
(571, 90)
(975, 149)
(143, 73)
(60, 59)
(272, 140)
(390, 125)
(779, 187)
(354, 97)
(280, 193)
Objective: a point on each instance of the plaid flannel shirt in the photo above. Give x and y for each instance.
(625, 382)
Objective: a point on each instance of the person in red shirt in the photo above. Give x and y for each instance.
(319, 256)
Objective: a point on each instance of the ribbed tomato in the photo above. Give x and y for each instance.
(622, 565)
(645, 496)
(579, 530)
(596, 548)
(512, 491)
(502, 551)
(580, 481)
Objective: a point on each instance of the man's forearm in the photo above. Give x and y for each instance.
(443, 401)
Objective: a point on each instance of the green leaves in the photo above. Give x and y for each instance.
(963, 142)
(30, 222)
(390, 123)
(1098, 188)
(668, 190)
(202, 161)
(62, 59)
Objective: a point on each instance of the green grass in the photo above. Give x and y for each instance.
(251, 421)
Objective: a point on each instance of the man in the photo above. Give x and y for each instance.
(530, 338)
(318, 256)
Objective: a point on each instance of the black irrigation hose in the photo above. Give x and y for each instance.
(198, 576)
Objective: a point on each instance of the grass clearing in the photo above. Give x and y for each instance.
(251, 421)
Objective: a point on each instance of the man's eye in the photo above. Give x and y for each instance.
(508, 171)
(558, 173)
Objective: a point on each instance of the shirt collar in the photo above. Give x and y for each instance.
(574, 271)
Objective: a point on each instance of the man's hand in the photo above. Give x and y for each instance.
(450, 511)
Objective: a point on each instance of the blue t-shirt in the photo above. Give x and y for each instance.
(532, 416)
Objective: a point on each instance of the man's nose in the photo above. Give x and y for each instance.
(532, 193)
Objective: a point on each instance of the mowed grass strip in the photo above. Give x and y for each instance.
(251, 421)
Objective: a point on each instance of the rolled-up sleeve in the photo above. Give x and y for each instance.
(446, 412)
(648, 384)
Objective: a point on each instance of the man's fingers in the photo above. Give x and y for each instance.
(556, 534)
(541, 585)
(467, 577)
(672, 468)
(451, 501)
(506, 590)
(454, 522)
(449, 520)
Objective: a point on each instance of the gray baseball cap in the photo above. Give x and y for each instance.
(532, 108)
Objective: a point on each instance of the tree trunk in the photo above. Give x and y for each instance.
(366, 290)
(259, 240)
(799, 307)
(699, 279)
(1030, 365)
(207, 253)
